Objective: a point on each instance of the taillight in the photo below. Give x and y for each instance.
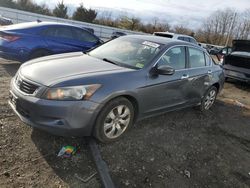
(9, 38)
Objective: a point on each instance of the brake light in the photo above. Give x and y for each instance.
(9, 38)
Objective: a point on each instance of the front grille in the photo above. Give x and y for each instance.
(26, 86)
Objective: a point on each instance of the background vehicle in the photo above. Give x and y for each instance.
(106, 90)
(35, 39)
(117, 34)
(237, 63)
(176, 36)
(5, 21)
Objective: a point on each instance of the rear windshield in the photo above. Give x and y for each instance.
(163, 35)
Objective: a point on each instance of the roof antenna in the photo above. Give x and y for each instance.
(38, 21)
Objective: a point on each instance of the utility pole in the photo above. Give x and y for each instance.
(231, 27)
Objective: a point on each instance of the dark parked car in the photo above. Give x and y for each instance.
(117, 34)
(35, 39)
(103, 92)
(5, 21)
(237, 63)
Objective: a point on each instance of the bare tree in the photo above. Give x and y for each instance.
(217, 26)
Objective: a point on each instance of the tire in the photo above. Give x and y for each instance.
(114, 120)
(209, 99)
(39, 53)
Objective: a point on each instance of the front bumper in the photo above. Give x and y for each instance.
(64, 118)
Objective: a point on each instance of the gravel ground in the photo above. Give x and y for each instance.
(186, 148)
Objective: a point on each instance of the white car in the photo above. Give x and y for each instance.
(176, 36)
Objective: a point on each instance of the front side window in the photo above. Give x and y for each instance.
(196, 58)
(128, 52)
(192, 41)
(84, 36)
(174, 57)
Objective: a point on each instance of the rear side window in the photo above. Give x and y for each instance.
(196, 58)
(181, 38)
(84, 36)
(174, 57)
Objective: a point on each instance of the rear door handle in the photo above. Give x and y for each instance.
(185, 76)
(209, 72)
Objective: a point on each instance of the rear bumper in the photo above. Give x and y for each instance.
(63, 118)
(233, 74)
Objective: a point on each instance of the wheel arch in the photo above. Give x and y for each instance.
(130, 97)
(217, 85)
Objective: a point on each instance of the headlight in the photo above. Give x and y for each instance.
(71, 93)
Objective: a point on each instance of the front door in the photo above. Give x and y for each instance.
(167, 92)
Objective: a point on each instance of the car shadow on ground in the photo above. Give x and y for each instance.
(240, 85)
(70, 170)
(11, 68)
(185, 148)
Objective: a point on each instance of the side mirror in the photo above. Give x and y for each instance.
(165, 70)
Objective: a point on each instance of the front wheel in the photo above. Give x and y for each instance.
(209, 99)
(114, 120)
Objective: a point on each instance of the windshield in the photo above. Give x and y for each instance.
(127, 52)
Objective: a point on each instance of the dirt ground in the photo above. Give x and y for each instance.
(178, 149)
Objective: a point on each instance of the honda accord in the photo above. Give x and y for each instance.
(103, 92)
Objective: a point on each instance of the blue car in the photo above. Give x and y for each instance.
(26, 41)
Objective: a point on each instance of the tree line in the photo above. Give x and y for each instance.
(220, 27)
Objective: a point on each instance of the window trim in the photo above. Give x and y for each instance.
(187, 59)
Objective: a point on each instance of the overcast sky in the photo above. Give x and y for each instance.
(189, 13)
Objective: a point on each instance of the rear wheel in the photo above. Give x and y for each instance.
(209, 99)
(39, 53)
(114, 120)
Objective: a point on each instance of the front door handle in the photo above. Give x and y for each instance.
(209, 72)
(185, 76)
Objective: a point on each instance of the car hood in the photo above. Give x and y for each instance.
(241, 45)
(49, 70)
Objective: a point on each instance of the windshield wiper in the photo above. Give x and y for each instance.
(110, 61)
(119, 64)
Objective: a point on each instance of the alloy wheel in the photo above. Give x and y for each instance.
(117, 121)
(209, 100)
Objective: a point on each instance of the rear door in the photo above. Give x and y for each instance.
(200, 73)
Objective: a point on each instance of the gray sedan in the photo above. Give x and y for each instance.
(103, 92)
